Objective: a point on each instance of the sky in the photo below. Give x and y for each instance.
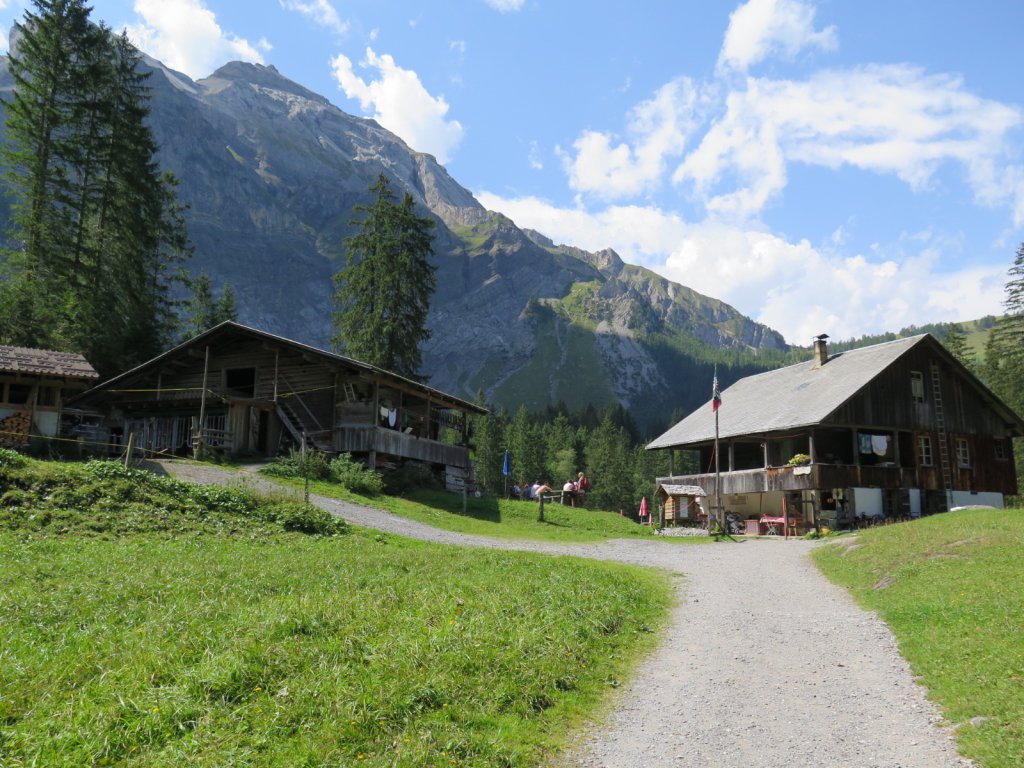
(829, 167)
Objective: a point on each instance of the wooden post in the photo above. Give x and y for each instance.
(305, 467)
(672, 462)
(202, 406)
(277, 352)
(540, 508)
(128, 451)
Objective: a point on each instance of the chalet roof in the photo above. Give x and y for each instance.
(793, 397)
(229, 329)
(682, 490)
(47, 362)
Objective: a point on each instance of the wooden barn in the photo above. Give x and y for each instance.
(34, 384)
(895, 430)
(242, 391)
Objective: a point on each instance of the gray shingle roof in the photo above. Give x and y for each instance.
(787, 398)
(46, 362)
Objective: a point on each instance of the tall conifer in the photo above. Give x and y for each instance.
(383, 293)
(99, 226)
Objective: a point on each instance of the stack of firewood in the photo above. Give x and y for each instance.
(14, 430)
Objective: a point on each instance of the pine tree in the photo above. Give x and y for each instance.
(525, 442)
(383, 294)
(956, 343)
(227, 308)
(610, 467)
(489, 450)
(98, 225)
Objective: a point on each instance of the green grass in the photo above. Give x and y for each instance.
(500, 518)
(203, 641)
(949, 586)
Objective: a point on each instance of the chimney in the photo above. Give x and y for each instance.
(820, 351)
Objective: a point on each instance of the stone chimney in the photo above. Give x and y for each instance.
(820, 351)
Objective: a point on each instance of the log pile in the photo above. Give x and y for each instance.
(14, 430)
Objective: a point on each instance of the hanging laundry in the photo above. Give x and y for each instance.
(392, 417)
(880, 444)
(864, 442)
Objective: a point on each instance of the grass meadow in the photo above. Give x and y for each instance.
(949, 587)
(219, 633)
(500, 518)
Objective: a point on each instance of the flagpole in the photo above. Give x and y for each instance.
(716, 401)
(718, 476)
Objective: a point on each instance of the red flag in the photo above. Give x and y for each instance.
(716, 396)
(643, 506)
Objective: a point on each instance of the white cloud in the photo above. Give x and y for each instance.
(185, 35)
(320, 12)
(885, 119)
(458, 46)
(793, 287)
(658, 128)
(761, 28)
(400, 102)
(534, 157)
(506, 5)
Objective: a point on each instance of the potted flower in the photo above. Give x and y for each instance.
(799, 460)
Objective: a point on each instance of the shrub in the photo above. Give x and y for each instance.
(303, 518)
(354, 476)
(297, 465)
(11, 459)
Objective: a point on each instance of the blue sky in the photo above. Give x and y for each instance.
(826, 166)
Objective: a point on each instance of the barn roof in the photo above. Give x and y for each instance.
(797, 396)
(47, 362)
(228, 330)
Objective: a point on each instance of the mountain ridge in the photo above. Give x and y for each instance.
(271, 172)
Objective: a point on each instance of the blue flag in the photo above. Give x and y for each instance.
(506, 467)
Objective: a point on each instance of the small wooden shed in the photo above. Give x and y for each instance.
(34, 383)
(678, 503)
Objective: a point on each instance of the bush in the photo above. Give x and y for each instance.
(303, 518)
(295, 465)
(354, 476)
(11, 459)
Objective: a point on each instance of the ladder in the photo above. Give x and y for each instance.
(350, 391)
(940, 427)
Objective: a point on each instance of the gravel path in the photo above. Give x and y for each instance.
(765, 664)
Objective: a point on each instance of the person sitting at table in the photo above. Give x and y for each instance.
(569, 492)
(542, 488)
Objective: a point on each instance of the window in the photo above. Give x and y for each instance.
(917, 386)
(18, 394)
(240, 381)
(1000, 447)
(924, 450)
(963, 452)
(47, 397)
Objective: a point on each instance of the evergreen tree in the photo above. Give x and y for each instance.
(383, 294)
(489, 450)
(227, 308)
(956, 343)
(98, 225)
(610, 467)
(525, 441)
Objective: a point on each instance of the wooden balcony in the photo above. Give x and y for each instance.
(391, 442)
(805, 478)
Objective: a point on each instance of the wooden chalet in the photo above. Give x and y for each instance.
(243, 391)
(34, 384)
(894, 430)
